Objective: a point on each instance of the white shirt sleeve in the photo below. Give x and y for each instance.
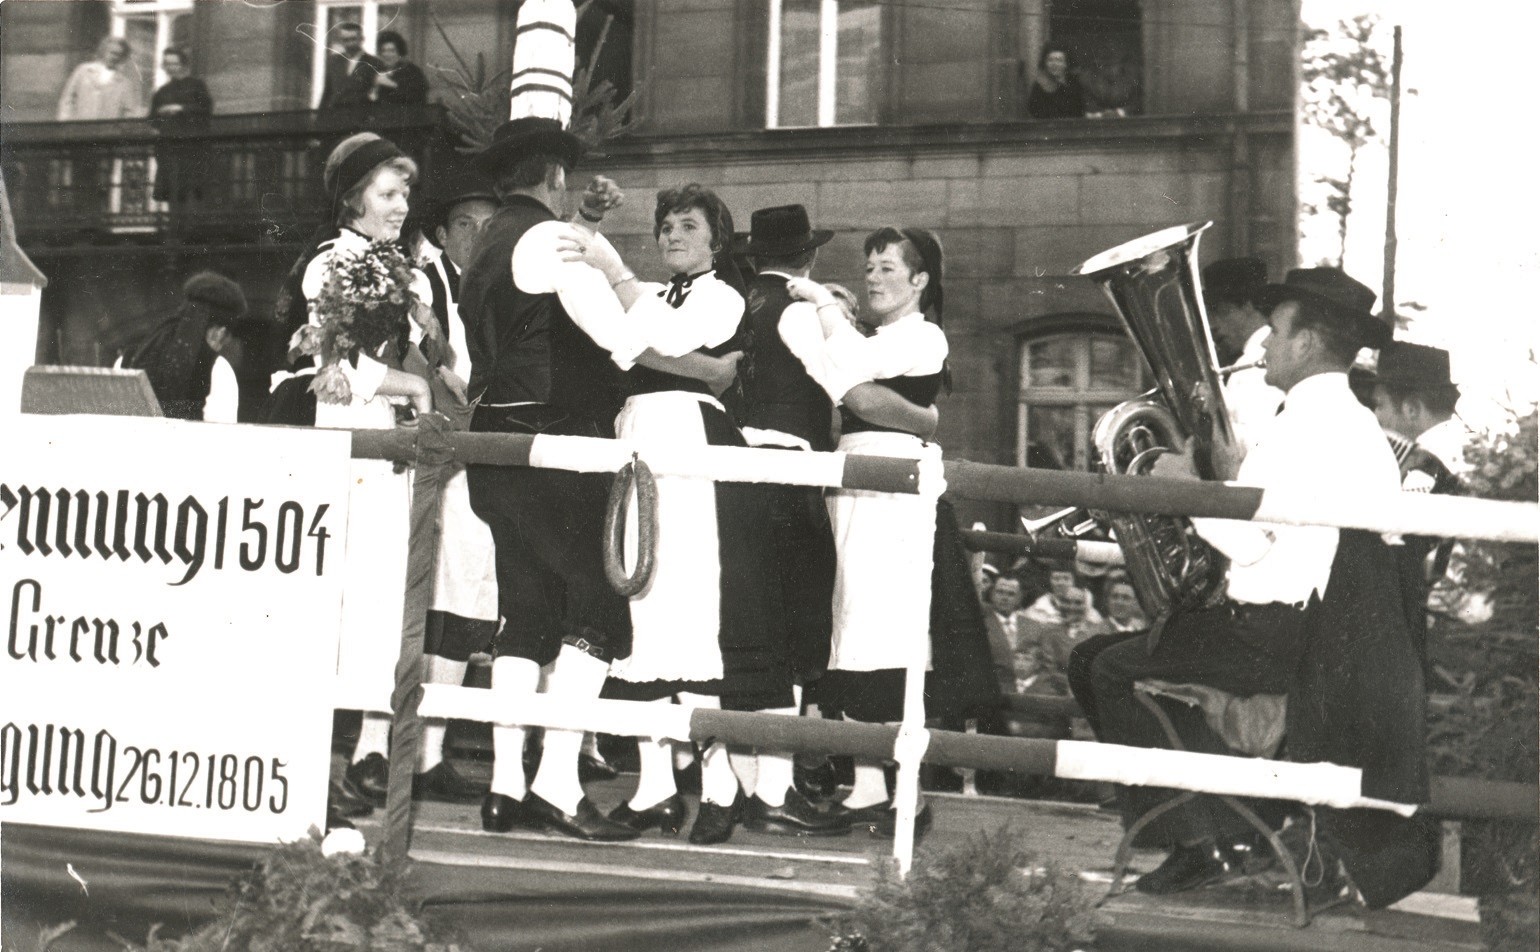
(803, 333)
(224, 399)
(584, 293)
(709, 315)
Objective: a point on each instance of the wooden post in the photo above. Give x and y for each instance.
(1388, 293)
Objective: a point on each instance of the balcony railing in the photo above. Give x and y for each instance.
(246, 179)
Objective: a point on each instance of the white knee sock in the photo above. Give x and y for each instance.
(373, 737)
(718, 783)
(746, 767)
(655, 773)
(774, 769)
(438, 671)
(576, 676)
(870, 787)
(511, 677)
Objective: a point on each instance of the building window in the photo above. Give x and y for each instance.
(825, 61)
(1067, 382)
(372, 15)
(150, 26)
(1104, 41)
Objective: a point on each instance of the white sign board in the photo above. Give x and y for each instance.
(173, 592)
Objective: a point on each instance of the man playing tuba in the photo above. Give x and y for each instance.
(1252, 641)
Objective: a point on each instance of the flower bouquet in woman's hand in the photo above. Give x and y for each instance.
(365, 308)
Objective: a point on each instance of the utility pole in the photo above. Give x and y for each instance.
(1388, 293)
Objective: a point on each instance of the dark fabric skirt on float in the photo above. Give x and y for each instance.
(755, 674)
(960, 683)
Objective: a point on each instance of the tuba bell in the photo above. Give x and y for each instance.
(1153, 283)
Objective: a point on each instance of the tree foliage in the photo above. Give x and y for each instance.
(1347, 85)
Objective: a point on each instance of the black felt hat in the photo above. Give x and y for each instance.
(783, 230)
(217, 291)
(470, 188)
(1407, 366)
(1339, 296)
(528, 135)
(1234, 279)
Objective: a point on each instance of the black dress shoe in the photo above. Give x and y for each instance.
(861, 818)
(335, 822)
(444, 783)
(345, 801)
(1188, 867)
(586, 824)
(501, 813)
(714, 823)
(370, 776)
(886, 826)
(667, 815)
(592, 768)
(796, 817)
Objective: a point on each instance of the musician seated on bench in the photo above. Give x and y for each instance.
(1322, 442)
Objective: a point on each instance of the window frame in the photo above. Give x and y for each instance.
(828, 66)
(165, 13)
(1080, 395)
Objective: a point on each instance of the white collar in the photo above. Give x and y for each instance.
(1319, 390)
(907, 319)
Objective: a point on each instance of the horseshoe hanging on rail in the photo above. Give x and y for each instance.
(635, 472)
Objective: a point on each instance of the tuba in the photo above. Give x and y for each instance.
(1153, 283)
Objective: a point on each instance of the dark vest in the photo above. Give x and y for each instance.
(524, 347)
(777, 392)
(919, 390)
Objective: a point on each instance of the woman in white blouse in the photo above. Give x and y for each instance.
(369, 180)
(702, 626)
(883, 580)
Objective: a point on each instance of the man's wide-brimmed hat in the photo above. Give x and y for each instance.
(1407, 366)
(528, 135)
(1339, 296)
(1234, 279)
(469, 187)
(783, 230)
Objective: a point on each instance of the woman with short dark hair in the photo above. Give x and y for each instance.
(701, 630)
(400, 82)
(1055, 93)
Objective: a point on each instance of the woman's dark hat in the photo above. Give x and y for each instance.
(783, 230)
(528, 135)
(1413, 367)
(217, 291)
(1235, 280)
(1341, 297)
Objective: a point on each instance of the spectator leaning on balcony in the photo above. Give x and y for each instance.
(399, 82)
(180, 107)
(102, 88)
(350, 71)
(1055, 93)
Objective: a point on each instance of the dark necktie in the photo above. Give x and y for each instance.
(679, 287)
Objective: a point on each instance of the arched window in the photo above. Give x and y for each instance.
(1068, 380)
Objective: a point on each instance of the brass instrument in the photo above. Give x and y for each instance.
(1153, 283)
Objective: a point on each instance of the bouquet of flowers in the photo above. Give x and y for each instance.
(365, 304)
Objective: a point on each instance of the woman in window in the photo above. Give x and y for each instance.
(1055, 93)
(883, 580)
(702, 630)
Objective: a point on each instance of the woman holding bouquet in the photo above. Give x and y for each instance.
(366, 305)
(702, 626)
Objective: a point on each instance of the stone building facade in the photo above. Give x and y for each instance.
(909, 112)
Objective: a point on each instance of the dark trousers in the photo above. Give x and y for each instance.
(547, 528)
(1239, 648)
(803, 546)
